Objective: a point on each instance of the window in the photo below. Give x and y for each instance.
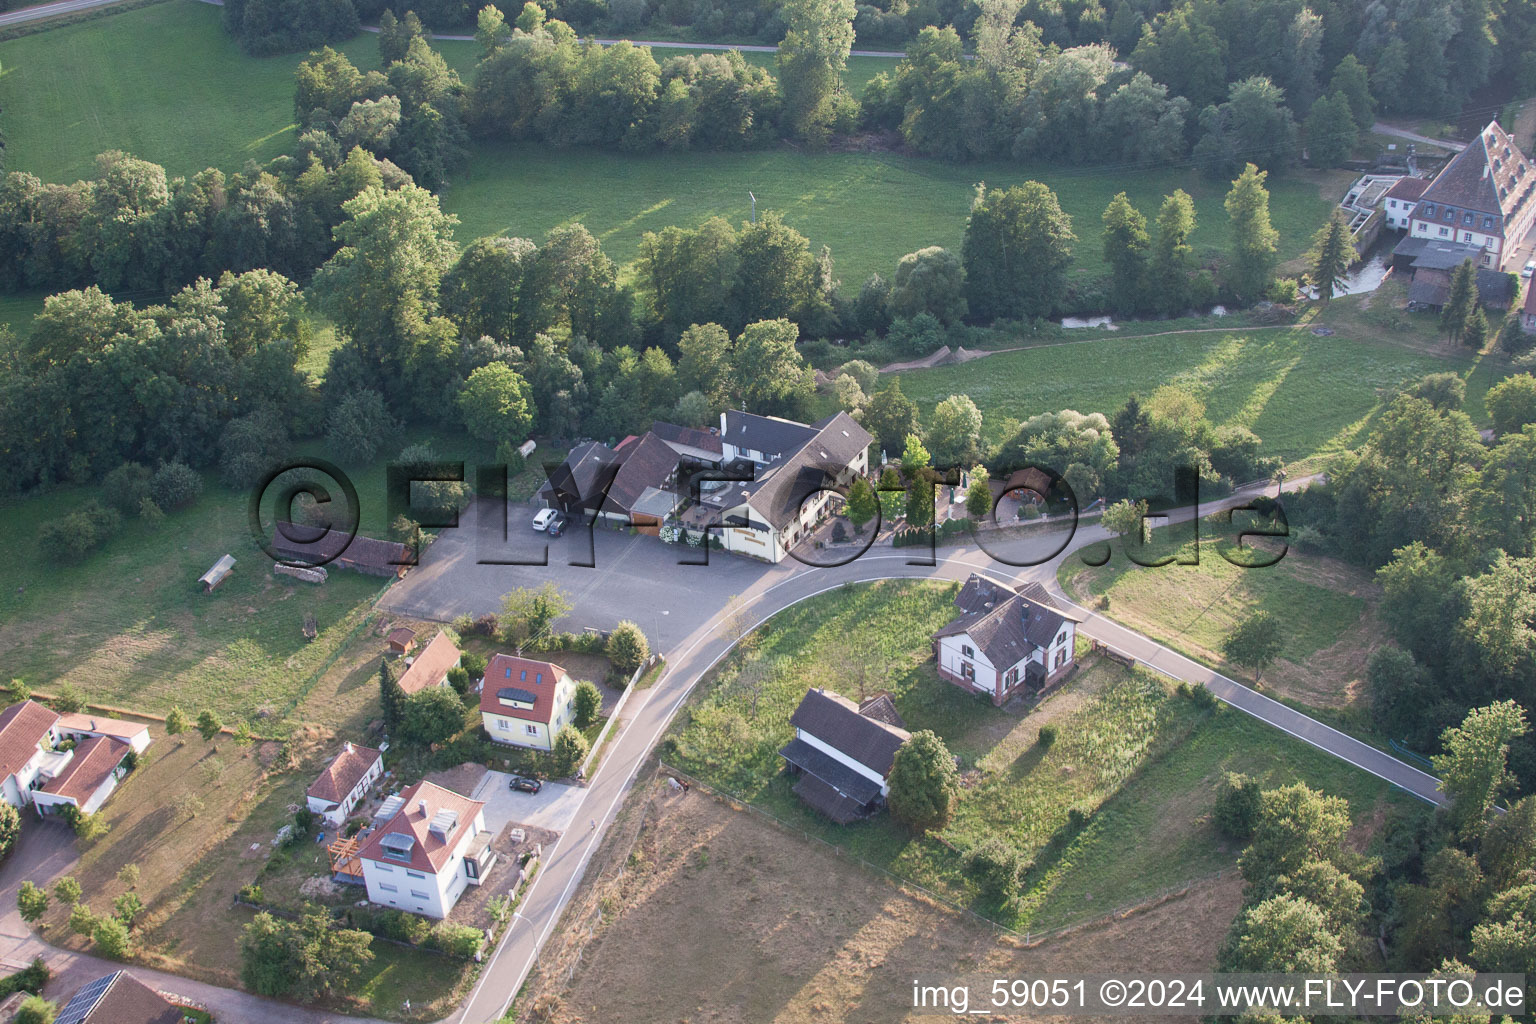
(419, 894)
(1466, 236)
(386, 869)
(1450, 214)
(1011, 679)
(966, 650)
(968, 671)
(1061, 657)
(389, 888)
(1429, 209)
(531, 729)
(1444, 232)
(1467, 218)
(471, 868)
(415, 874)
(503, 724)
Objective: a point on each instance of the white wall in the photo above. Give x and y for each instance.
(844, 759)
(439, 893)
(951, 657)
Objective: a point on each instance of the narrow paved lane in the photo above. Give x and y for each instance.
(787, 585)
(52, 10)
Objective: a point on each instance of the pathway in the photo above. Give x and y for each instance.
(1403, 133)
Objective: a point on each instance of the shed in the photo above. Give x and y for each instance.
(214, 576)
(402, 640)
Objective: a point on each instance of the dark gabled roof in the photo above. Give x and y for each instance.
(688, 438)
(767, 434)
(584, 476)
(118, 998)
(830, 771)
(827, 800)
(513, 693)
(648, 464)
(1430, 288)
(836, 722)
(1491, 176)
(777, 494)
(1495, 288)
(882, 708)
(1006, 625)
(1438, 253)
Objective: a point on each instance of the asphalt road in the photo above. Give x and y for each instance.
(779, 587)
(52, 10)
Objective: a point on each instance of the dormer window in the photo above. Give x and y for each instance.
(1450, 214)
(397, 846)
(1467, 218)
(1429, 209)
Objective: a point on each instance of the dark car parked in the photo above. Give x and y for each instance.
(557, 524)
(525, 784)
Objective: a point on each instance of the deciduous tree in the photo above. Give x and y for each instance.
(924, 782)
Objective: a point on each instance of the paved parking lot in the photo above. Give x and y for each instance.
(554, 807)
(615, 575)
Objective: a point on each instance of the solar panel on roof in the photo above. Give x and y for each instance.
(78, 1009)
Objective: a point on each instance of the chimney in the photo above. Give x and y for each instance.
(722, 424)
(347, 747)
(421, 805)
(93, 725)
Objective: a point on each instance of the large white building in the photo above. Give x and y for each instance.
(1485, 197)
(1005, 640)
(427, 846)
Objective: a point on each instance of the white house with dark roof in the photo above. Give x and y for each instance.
(427, 846)
(795, 470)
(1005, 640)
(525, 703)
(344, 781)
(1485, 197)
(842, 755)
(1401, 200)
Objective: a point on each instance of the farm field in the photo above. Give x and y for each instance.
(1325, 608)
(1130, 754)
(761, 926)
(1307, 397)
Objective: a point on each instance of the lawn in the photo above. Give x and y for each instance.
(1323, 607)
(1117, 730)
(130, 626)
(870, 208)
(1307, 397)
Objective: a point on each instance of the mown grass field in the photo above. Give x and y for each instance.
(76, 91)
(1324, 609)
(1307, 397)
(1131, 755)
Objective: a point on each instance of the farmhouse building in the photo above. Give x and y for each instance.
(1401, 199)
(344, 781)
(427, 846)
(430, 667)
(526, 703)
(1005, 640)
(50, 761)
(297, 544)
(1485, 197)
(842, 756)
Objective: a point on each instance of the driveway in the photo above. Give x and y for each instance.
(554, 807)
(610, 575)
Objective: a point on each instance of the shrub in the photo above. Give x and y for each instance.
(458, 678)
(111, 937)
(35, 1010)
(72, 536)
(126, 487)
(175, 485)
(10, 828)
(1046, 737)
(996, 864)
(250, 893)
(627, 647)
(31, 978)
(473, 663)
(568, 751)
(456, 939)
(487, 625)
(924, 782)
(1237, 806)
(588, 703)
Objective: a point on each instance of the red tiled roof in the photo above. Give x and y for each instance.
(428, 852)
(343, 774)
(507, 673)
(22, 728)
(1407, 188)
(125, 731)
(96, 758)
(431, 665)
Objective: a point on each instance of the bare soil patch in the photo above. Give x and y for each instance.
(762, 926)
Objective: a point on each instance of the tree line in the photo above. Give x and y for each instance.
(1448, 521)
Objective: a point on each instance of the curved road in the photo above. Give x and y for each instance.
(785, 585)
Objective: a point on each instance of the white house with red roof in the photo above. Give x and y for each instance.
(50, 761)
(526, 703)
(344, 781)
(428, 844)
